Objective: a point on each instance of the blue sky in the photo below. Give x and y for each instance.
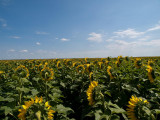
(31, 29)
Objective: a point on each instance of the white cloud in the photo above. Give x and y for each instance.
(3, 22)
(15, 37)
(157, 27)
(131, 33)
(64, 39)
(38, 43)
(144, 38)
(95, 37)
(12, 50)
(24, 51)
(41, 33)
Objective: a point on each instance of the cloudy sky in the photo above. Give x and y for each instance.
(31, 29)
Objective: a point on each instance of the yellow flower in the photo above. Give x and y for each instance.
(92, 85)
(22, 67)
(132, 105)
(138, 63)
(150, 62)
(58, 64)
(91, 76)
(80, 68)
(119, 59)
(100, 64)
(22, 113)
(109, 72)
(38, 101)
(1, 72)
(50, 114)
(150, 72)
(48, 73)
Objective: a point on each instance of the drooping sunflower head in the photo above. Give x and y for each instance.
(127, 58)
(109, 71)
(59, 65)
(89, 67)
(117, 63)
(119, 59)
(134, 110)
(47, 74)
(91, 76)
(22, 71)
(100, 65)
(151, 75)
(106, 62)
(90, 92)
(36, 108)
(138, 62)
(150, 62)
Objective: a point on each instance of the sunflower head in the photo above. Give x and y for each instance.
(80, 68)
(109, 71)
(47, 74)
(89, 67)
(22, 71)
(138, 62)
(91, 93)
(150, 62)
(36, 108)
(100, 65)
(150, 73)
(59, 65)
(135, 110)
(127, 58)
(119, 59)
(117, 63)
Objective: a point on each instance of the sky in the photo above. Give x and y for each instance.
(41, 29)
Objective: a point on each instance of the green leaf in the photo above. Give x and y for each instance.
(34, 92)
(148, 112)
(6, 109)
(97, 114)
(115, 117)
(64, 110)
(104, 117)
(157, 111)
(108, 93)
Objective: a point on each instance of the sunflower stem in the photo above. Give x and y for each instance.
(46, 91)
(103, 101)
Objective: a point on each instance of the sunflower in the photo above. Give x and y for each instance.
(138, 63)
(150, 62)
(89, 67)
(133, 104)
(90, 98)
(47, 73)
(117, 64)
(91, 76)
(150, 73)
(31, 104)
(80, 68)
(100, 64)
(109, 72)
(1, 72)
(119, 59)
(58, 64)
(22, 70)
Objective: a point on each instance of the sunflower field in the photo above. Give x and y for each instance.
(122, 88)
